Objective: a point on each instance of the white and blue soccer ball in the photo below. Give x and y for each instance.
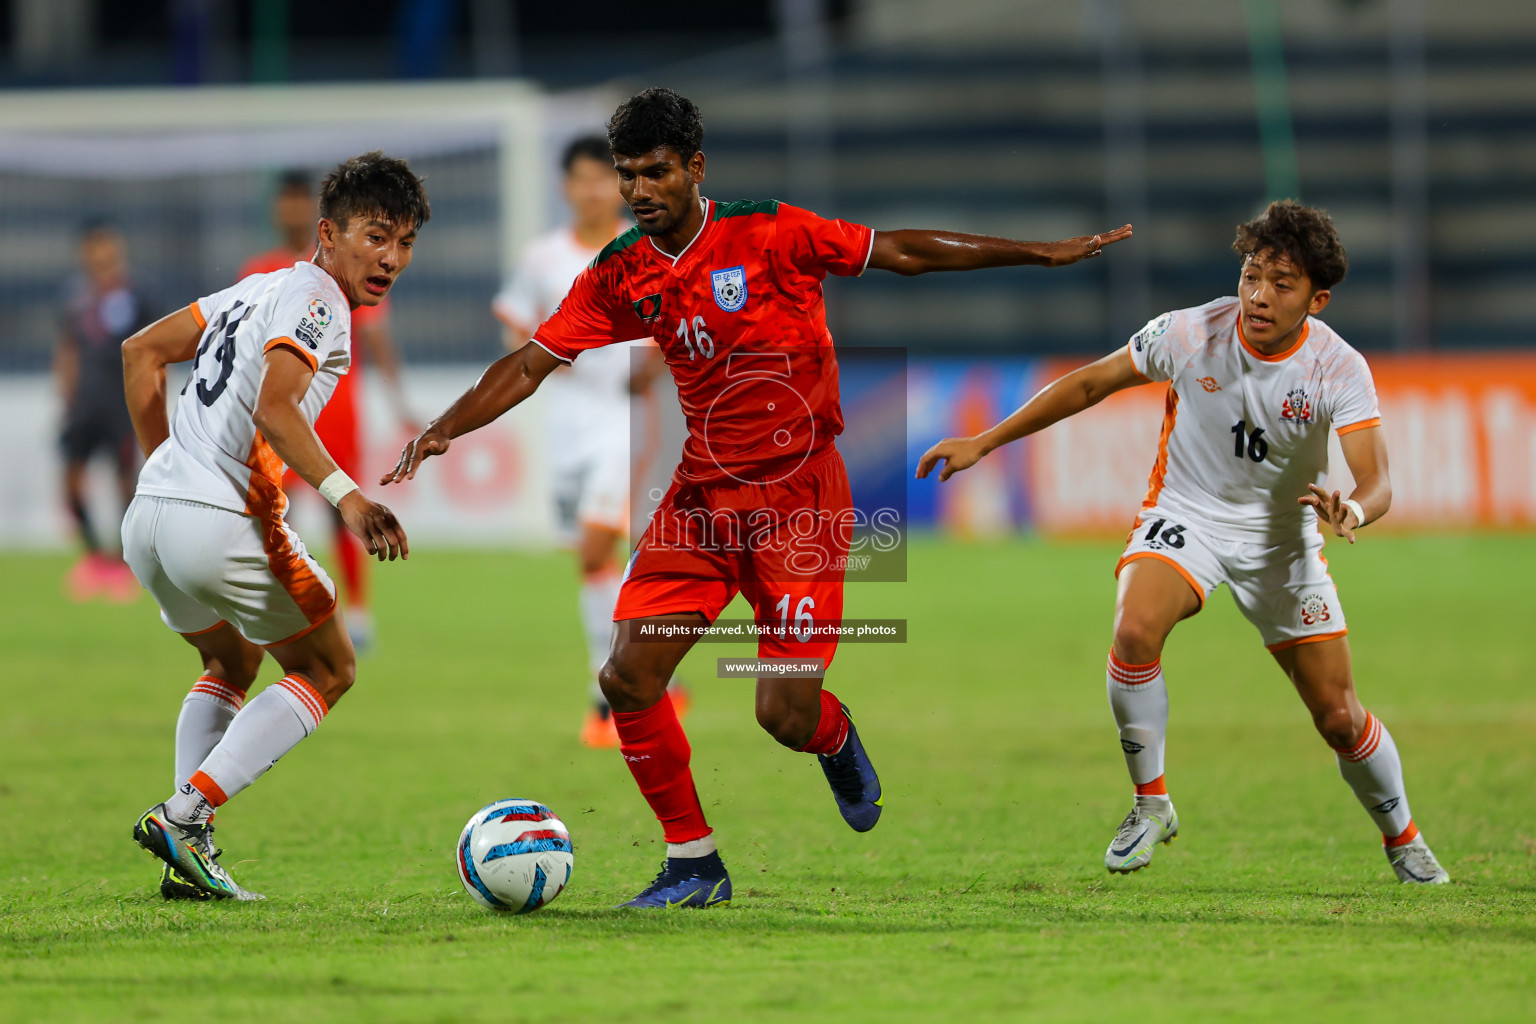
(515, 856)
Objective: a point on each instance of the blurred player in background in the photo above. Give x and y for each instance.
(206, 533)
(588, 406)
(1255, 383)
(760, 504)
(102, 306)
(340, 426)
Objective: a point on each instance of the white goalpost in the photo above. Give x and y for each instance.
(187, 175)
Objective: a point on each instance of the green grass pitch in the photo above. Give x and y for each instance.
(981, 895)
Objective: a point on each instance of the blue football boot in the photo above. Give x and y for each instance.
(853, 781)
(687, 882)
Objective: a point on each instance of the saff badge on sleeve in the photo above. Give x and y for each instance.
(730, 287)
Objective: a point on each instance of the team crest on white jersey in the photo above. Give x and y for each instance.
(730, 287)
(1314, 610)
(1298, 406)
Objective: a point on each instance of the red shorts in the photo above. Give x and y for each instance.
(783, 546)
(337, 428)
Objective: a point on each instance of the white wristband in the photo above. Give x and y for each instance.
(1354, 506)
(337, 486)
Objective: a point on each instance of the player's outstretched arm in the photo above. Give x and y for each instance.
(1063, 397)
(1365, 451)
(911, 252)
(285, 377)
(504, 384)
(171, 339)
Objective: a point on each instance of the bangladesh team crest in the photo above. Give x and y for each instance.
(1298, 407)
(730, 287)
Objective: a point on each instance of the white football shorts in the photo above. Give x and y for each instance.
(207, 565)
(1283, 589)
(592, 491)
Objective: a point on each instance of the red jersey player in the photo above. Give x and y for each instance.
(339, 427)
(760, 503)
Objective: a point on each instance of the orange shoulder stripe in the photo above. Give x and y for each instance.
(289, 343)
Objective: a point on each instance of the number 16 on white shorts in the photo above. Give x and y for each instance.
(1283, 589)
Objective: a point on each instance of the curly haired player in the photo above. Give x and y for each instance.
(732, 294)
(1255, 383)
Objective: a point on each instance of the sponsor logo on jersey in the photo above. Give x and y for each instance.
(1209, 383)
(1298, 406)
(309, 332)
(648, 308)
(320, 312)
(730, 287)
(1314, 610)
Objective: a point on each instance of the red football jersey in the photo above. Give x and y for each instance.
(740, 317)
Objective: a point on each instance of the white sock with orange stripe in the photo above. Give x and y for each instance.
(1374, 771)
(599, 594)
(205, 715)
(1139, 698)
(272, 724)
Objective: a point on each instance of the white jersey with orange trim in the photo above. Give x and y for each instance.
(1245, 433)
(215, 455)
(588, 401)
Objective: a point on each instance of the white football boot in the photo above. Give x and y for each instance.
(1415, 864)
(1152, 820)
(189, 850)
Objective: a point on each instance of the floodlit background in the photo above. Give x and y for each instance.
(982, 894)
(1409, 120)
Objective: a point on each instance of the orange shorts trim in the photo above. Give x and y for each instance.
(301, 634)
(210, 629)
(1193, 583)
(1319, 638)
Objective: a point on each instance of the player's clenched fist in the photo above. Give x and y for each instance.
(957, 453)
(375, 525)
(426, 444)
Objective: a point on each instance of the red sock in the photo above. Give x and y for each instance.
(657, 752)
(831, 729)
(354, 568)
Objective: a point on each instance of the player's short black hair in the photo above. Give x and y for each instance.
(97, 225)
(656, 117)
(374, 185)
(586, 147)
(1303, 234)
(295, 179)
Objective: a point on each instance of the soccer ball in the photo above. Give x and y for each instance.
(514, 855)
